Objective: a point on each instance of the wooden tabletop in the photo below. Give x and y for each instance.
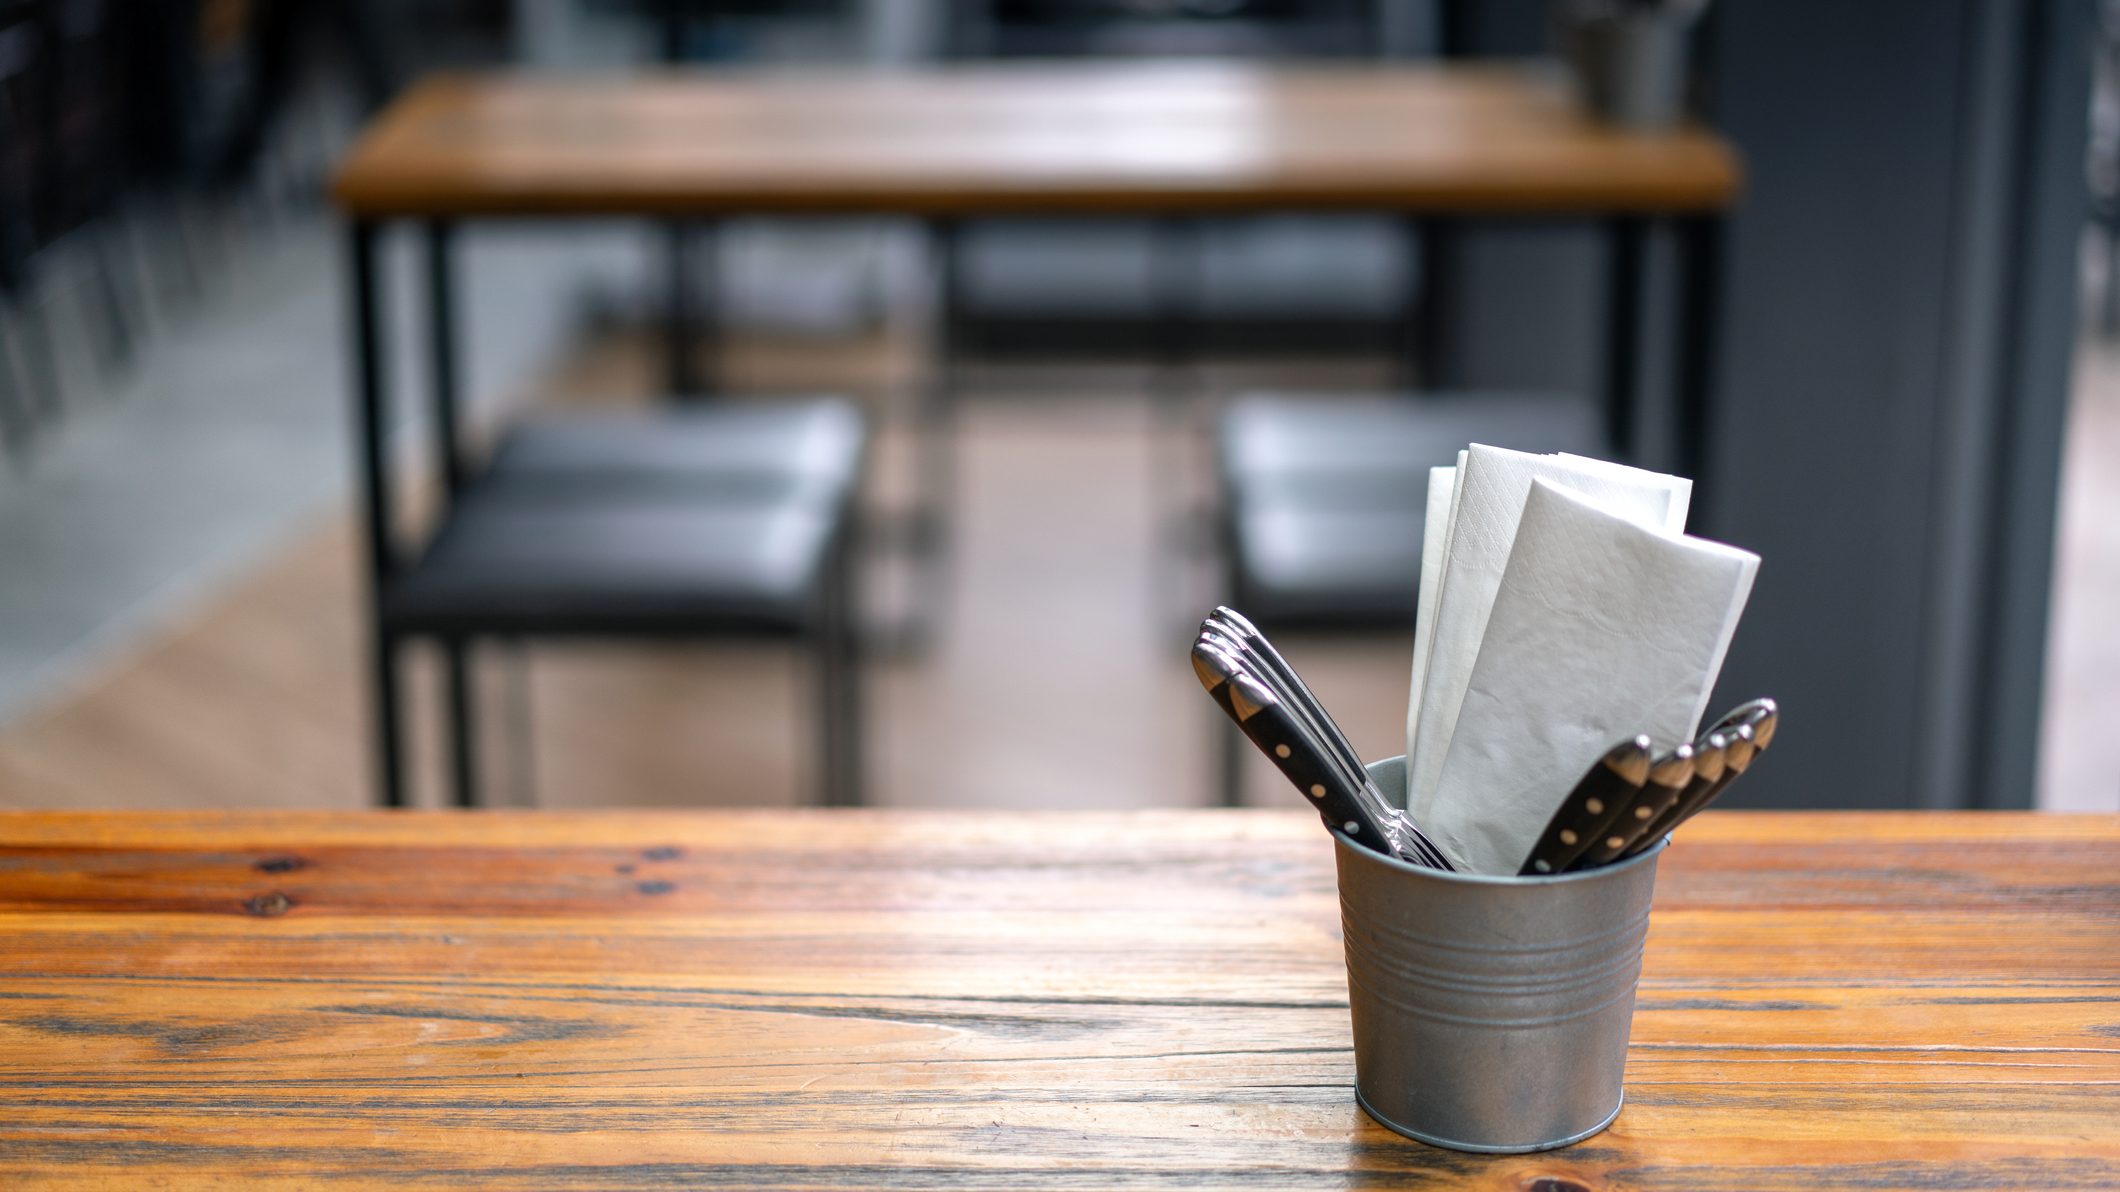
(1058, 139)
(895, 999)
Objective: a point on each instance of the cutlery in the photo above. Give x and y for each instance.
(1590, 808)
(1239, 628)
(1237, 637)
(1270, 725)
(1736, 756)
(1707, 769)
(1668, 776)
(1759, 722)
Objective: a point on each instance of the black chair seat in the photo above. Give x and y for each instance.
(1329, 567)
(514, 562)
(734, 450)
(1324, 498)
(1274, 435)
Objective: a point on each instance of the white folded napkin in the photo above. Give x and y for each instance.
(1601, 627)
(1435, 533)
(1487, 499)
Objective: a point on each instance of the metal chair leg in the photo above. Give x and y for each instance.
(463, 722)
(389, 737)
(839, 685)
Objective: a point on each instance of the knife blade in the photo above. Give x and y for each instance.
(1668, 776)
(1589, 808)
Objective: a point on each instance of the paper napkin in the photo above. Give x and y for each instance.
(1435, 531)
(1601, 627)
(1488, 498)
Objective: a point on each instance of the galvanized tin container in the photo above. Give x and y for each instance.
(1490, 1013)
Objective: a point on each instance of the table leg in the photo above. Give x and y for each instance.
(441, 353)
(363, 245)
(1429, 257)
(688, 317)
(937, 448)
(449, 462)
(1700, 245)
(1627, 242)
(839, 677)
(1178, 247)
(463, 722)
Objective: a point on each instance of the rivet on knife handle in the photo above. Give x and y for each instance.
(1590, 808)
(1756, 732)
(1707, 769)
(1271, 727)
(1667, 780)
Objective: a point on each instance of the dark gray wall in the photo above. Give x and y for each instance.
(1894, 368)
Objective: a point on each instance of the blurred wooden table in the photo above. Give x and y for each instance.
(1043, 140)
(900, 999)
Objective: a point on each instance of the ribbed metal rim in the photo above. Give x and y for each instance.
(1481, 1148)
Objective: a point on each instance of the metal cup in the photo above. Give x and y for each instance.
(1490, 1013)
(1630, 65)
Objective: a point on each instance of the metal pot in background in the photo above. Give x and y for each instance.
(1630, 59)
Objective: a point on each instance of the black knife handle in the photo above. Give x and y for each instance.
(1741, 756)
(1666, 781)
(1589, 809)
(1634, 818)
(1229, 621)
(1737, 756)
(1270, 726)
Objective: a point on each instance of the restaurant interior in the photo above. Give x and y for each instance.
(1064, 594)
(1037, 438)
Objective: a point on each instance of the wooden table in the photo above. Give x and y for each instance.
(1478, 140)
(898, 999)
(1436, 145)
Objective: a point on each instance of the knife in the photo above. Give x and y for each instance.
(1756, 731)
(1587, 811)
(1707, 768)
(1736, 756)
(1235, 626)
(1246, 642)
(1215, 655)
(1668, 776)
(1216, 664)
(1270, 726)
(1213, 665)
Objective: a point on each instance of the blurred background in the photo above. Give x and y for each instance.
(1915, 414)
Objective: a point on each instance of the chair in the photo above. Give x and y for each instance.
(1324, 499)
(733, 519)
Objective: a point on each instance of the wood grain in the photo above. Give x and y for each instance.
(1490, 139)
(905, 999)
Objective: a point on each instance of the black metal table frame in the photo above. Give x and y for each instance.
(1698, 236)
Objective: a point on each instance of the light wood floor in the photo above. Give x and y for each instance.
(1061, 680)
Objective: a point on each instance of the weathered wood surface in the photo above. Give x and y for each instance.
(895, 999)
(1045, 139)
